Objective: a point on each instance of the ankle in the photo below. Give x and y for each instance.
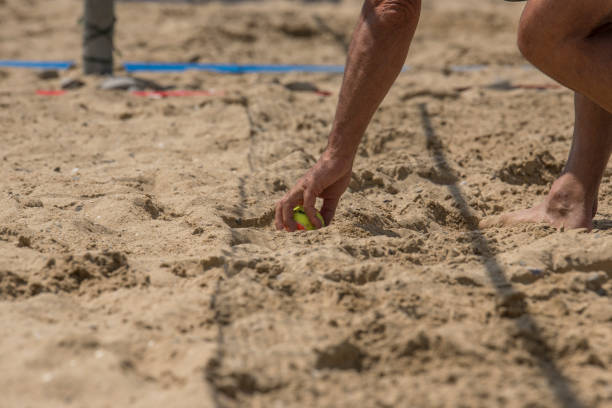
(568, 195)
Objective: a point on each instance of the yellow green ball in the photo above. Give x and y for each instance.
(299, 215)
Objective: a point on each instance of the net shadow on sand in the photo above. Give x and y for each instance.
(536, 345)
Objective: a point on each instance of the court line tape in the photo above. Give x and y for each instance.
(229, 68)
(131, 67)
(279, 68)
(36, 64)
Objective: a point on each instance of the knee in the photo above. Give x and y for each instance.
(530, 40)
(393, 14)
(543, 30)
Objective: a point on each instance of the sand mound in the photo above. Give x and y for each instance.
(89, 273)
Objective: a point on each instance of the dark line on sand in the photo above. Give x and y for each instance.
(539, 349)
(220, 341)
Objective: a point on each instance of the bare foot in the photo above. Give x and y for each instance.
(567, 206)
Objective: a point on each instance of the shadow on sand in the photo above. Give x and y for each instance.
(535, 344)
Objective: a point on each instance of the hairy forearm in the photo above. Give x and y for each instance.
(376, 56)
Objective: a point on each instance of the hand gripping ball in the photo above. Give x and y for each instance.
(303, 223)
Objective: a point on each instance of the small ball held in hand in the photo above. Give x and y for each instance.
(303, 223)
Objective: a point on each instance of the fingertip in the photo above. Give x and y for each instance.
(310, 199)
(278, 217)
(327, 218)
(328, 211)
(291, 227)
(288, 221)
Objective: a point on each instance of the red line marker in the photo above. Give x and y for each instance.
(50, 92)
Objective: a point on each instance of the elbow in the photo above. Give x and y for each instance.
(393, 15)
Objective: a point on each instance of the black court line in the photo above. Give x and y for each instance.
(220, 341)
(209, 371)
(537, 346)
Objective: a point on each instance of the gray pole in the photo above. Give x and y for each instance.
(99, 24)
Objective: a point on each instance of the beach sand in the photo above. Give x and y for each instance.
(139, 265)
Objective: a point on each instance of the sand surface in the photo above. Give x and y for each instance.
(139, 266)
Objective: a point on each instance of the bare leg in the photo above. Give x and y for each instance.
(571, 41)
(572, 200)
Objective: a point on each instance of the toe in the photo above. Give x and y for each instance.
(489, 222)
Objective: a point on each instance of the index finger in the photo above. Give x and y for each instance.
(278, 216)
(309, 208)
(287, 214)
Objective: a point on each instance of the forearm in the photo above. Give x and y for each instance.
(376, 56)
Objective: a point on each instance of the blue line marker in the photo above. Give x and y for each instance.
(233, 68)
(219, 68)
(36, 64)
(229, 68)
(468, 68)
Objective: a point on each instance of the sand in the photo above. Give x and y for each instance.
(139, 266)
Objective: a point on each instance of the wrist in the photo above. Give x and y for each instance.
(335, 154)
(339, 148)
(340, 161)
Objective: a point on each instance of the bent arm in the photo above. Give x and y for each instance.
(377, 53)
(376, 56)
